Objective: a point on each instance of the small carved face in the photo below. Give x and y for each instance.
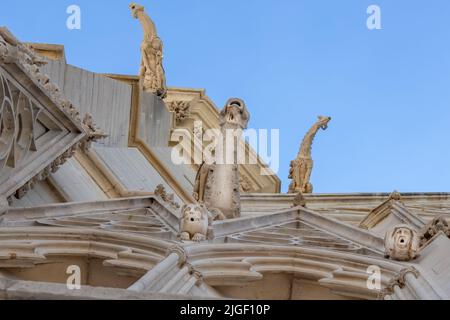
(323, 122)
(135, 8)
(401, 243)
(403, 238)
(194, 213)
(235, 113)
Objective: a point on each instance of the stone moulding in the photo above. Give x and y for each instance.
(17, 290)
(127, 255)
(238, 264)
(179, 251)
(363, 238)
(394, 206)
(174, 275)
(408, 284)
(30, 216)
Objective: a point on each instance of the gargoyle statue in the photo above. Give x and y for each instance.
(401, 243)
(196, 222)
(301, 167)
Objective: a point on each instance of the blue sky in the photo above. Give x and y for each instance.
(388, 91)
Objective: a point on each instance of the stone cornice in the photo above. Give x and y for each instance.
(391, 206)
(201, 109)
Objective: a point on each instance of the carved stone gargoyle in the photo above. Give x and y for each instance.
(401, 243)
(151, 74)
(221, 192)
(196, 222)
(301, 168)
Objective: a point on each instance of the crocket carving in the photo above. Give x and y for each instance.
(301, 167)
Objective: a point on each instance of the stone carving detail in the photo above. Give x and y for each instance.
(151, 73)
(19, 116)
(44, 174)
(16, 52)
(12, 51)
(199, 276)
(15, 109)
(299, 200)
(19, 113)
(401, 243)
(399, 280)
(8, 53)
(161, 192)
(432, 229)
(196, 222)
(180, 252)
(93, 133)
(222, 190)
(181, 109)
(301, 167)
(67, 106)
(395, 196)
(246, 184)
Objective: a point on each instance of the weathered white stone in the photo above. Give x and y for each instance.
(141, 246)
(401, 243)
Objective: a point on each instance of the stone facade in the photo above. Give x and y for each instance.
(107, 202)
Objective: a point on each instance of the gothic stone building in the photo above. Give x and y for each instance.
(87, 187)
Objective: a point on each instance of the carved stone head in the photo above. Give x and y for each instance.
(323, 122)
(235, 114)
(194, 222)
(194, 213)
(135, 9)
(401, 243)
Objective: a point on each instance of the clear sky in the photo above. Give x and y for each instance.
(388, 90)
